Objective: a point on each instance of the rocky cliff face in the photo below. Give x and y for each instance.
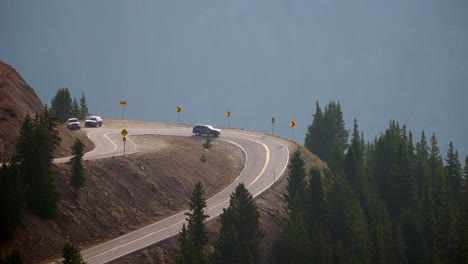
(17, 99)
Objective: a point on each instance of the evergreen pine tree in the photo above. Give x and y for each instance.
(293, 245)
(196, 230)
(61, 104)
(317, 209)
(11, 200)
(71, 254)
(74, 109)
(443, 218)
(83, 107)
(426, 194)
(454, 173)
(184, 246)
(462, 249)
(321, 248)
(325, 128)
(240, 231)
(34, 155)
(312, 140)
(399, 246)
(416, 250)
(76, 163)
(405, 181)
(337, 158)
(228, 239)
(296, 191)
(347, 222)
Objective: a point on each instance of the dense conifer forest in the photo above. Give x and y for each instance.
(390, 200)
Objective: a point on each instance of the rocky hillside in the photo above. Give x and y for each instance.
(17, 99)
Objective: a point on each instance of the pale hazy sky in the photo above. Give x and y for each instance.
(403, 60)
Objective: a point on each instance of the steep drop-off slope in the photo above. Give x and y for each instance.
(17, 99)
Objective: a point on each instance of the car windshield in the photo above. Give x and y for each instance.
(93, 118)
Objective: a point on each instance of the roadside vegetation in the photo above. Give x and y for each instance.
(65, 107)
(388, 201)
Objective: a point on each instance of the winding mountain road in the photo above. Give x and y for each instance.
(266, 160)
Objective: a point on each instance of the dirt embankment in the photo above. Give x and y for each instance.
(17, 99)
(122, 194)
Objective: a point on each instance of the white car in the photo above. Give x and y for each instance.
(73, 123)
(93, 121)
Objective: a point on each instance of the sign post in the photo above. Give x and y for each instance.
(123, 103)
(273, 125)
(228, 115)
(292, 124)
(124, 137)
(178, 110)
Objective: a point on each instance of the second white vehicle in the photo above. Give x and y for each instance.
(93, 121)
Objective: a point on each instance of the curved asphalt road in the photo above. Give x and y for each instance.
(267, 158)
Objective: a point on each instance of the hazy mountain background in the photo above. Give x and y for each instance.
(383, 60)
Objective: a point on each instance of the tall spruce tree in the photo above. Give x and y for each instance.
(34, 156)
(424, 182)
(462, 250)
(314, 131)
(83, 107)
(347, 223)
(71, 254)
(410, 226)
(317, 208)
(293, 245)
(197, 234)
(11, 200)
(443, 206)
(337, 157)
(325, 128)
(454, 172)
(355, 172)
(296, 188)
(185, 247)
(74, 109)
(61, 104)
(240, 232)
(76, 163)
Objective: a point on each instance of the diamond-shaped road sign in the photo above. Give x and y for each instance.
(124, 132)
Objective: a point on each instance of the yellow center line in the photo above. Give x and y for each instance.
(133, 241)
(267, 160)
(107, 137)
